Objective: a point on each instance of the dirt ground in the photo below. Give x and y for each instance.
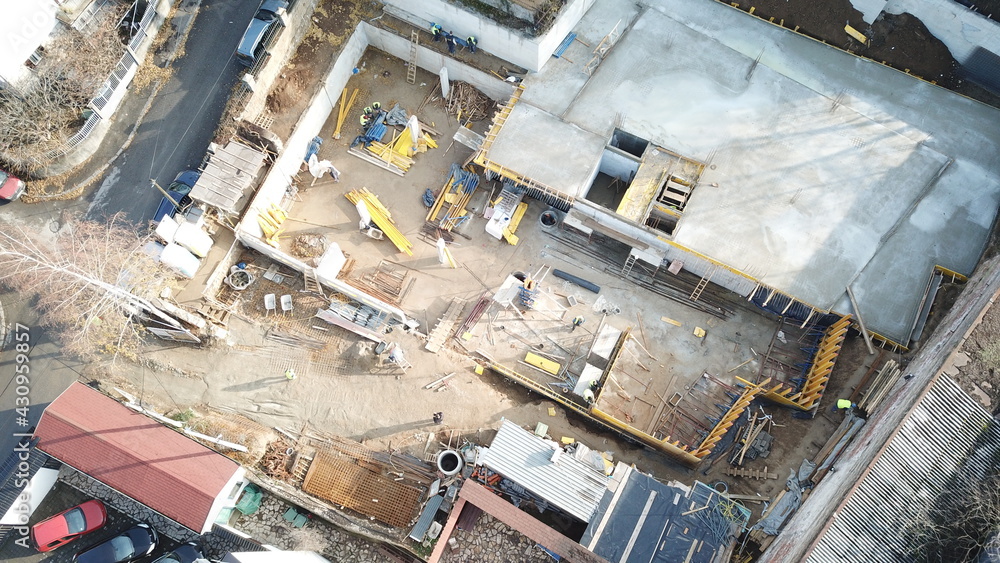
(901, 42)
(976, 366)
(333, 23)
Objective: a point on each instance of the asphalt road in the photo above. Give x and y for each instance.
(48, 372)
(175, 133)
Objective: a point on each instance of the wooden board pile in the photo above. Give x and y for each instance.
(382, 218)
(466, 101)
(270, 222)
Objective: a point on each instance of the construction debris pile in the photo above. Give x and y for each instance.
(396, 154)
(465, 101)
(308, 246)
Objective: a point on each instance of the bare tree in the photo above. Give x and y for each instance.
(93, 283)
(41, 114)
(962, 521)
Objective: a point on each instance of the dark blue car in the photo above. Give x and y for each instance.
(187, 553)
(132, 544)
(178, 195)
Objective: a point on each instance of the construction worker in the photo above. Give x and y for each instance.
(450, 40)
(290, 374)
(588, 395)
(577, 321)
(472, 43)
(375, 107)
(436, 31)
(844, 404)
(438, 417)
(365, 120)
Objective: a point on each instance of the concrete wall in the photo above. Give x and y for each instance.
(510, 8)
(279, 178)
(516, 47)
(431, 60)
(297, 21)
(617, 164)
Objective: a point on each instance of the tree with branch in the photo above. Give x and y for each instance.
(42, 113)
(93, 284)
(964, 518)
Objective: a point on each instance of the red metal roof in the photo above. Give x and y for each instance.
(134, 454)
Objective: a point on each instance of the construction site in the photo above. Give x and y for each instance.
(649, 240)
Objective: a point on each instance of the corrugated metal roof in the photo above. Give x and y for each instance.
(932, 444)
(570, 485)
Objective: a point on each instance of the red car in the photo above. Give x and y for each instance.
(68, 525)
(11, 188)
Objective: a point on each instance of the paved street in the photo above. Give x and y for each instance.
(49, 373)
(175, 133)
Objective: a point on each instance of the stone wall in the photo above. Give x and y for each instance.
(127, 505)
(492, 541)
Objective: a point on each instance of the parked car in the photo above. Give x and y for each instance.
(187, 553)
(269, 12)
(177, 198)
(69, 525)
(11, 187)
(132, 544)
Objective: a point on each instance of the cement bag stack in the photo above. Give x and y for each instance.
(177, 257)
(195, 240)
(166, 229)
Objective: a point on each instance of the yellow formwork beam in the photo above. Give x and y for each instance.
(730, 417)
(382, 218)
(955, 275)
(543, 364)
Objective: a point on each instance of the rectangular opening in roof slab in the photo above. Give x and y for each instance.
(614, 175)
(629, 143)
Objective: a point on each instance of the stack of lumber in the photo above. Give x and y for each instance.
(399, 152)
(382, 218)
(270, 222)
(388, 154)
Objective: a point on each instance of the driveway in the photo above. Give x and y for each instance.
(175, 133)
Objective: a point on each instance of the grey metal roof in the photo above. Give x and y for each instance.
(573, 486)
(932, 445)
(230, 171)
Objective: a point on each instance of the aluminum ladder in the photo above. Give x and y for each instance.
(411, 70)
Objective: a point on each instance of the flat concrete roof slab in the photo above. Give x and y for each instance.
(824, 169)
(541, 146)
(567, 71)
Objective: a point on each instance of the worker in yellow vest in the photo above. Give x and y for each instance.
(844, 404)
